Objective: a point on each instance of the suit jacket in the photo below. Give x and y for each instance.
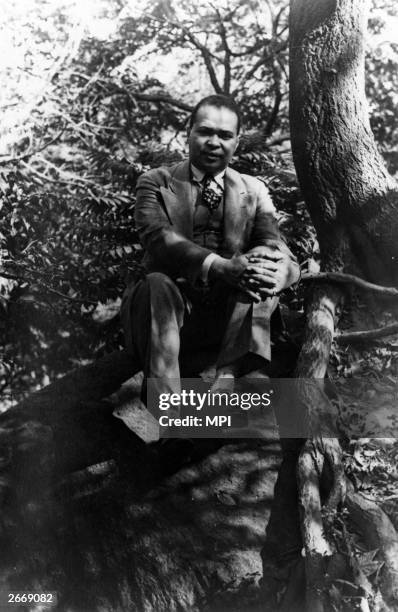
(164, 220)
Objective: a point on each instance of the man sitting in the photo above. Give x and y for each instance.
(214, 258)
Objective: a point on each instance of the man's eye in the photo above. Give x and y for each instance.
(204, 132)
(221, 135)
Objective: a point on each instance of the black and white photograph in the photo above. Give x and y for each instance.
(199, 306)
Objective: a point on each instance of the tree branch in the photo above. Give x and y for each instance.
(206, 58)
(339, 277)
(71, 179)
(275, 48)
(18, 158)
(204, 51)
(162, 98)
(227, 52)
(210, 70)
(278, 140)
(47, 288)
(371, 334)
(278, 97)
(253, 69)
(256, 47)
(276, 22)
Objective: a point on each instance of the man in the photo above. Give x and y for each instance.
(214, 258)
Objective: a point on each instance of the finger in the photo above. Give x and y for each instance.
(259, 268)
(262, 279)
(272, 254)
(258, 288)
(259, 272)
(252, 295)
(269, 254)
(253, 291)
(261, 251)
(250, 290)
(264, 263)
(257, 260)
(267, 293)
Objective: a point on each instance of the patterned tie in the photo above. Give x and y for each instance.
(210, 197)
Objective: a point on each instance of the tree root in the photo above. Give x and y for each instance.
(321, 483)
(378, 532)
(330, 575)
(340, 277)
(371, 334)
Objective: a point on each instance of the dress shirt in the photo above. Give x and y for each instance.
(198, 176)
(218, 184)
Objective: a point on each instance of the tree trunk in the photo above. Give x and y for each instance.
(351, 198)
(377, 532)
(102, 543)
(88, 383)
(353, 205)
(62, 428)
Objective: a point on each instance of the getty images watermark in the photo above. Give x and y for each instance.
(190, 408)
(224, 407)
(214, 399)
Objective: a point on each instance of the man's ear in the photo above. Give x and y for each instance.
(237, 142)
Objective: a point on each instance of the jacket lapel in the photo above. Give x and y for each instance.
(177, 197)
(235, 212)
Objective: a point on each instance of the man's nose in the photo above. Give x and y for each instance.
(213, 140)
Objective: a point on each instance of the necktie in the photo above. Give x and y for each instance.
(210, 197)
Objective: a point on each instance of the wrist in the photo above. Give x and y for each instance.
(217, 268)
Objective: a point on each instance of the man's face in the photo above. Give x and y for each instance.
(213, 138)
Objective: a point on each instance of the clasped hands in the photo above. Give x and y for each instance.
(260, 274)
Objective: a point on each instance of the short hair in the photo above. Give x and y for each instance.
(219, 101)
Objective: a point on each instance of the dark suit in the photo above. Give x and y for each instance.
(156, 312)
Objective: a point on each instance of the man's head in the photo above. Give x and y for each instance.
(213, 133)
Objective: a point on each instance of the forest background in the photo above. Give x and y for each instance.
(93, 95)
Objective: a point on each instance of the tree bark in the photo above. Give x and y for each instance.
(88, 383)
(62, 428)
(379, 533)
(93, 536)
(353, 204)
(351, 197)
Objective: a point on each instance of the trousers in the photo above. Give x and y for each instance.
(167, 323)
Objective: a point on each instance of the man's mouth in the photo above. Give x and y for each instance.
(212, 156)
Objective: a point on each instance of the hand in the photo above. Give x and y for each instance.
(270, 271)
(231, 271)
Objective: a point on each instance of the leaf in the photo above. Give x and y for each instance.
(371, 567)
(226, 498)
(359, 457)
(367, 562)
(106, 312)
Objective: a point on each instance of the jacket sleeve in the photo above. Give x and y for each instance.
(168, 250)
(266, 231)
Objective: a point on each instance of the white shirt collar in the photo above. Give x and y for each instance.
(199, 174)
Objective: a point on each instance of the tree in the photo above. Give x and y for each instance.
(353, 205)
(76, 194)
(381, 74)
(67, 233)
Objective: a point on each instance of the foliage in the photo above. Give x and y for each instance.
(382, 79)
(104, 109)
